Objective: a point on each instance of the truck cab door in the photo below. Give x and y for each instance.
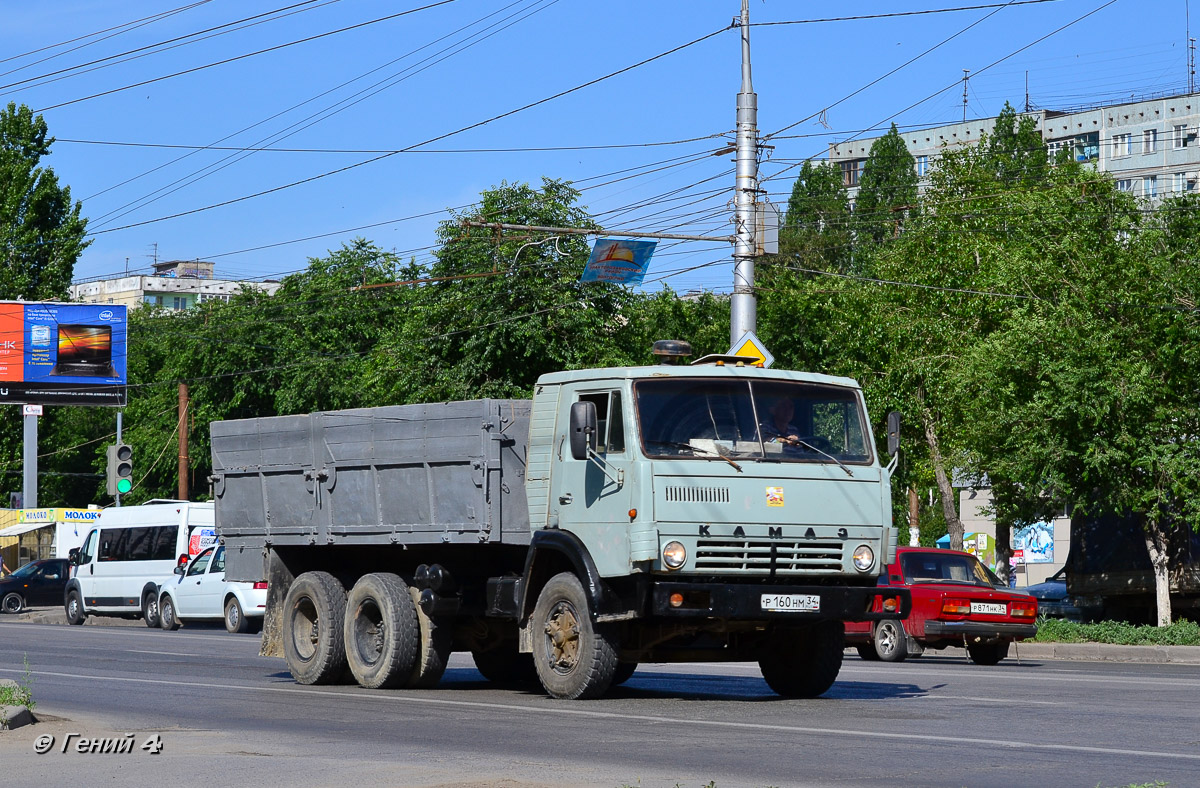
(594, 494)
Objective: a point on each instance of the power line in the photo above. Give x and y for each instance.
(426, 142)
(122, 28)
(902, 13)
(82, 68)
(363, 151)
(244, 56)
(345, 103)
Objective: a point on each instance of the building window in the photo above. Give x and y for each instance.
(1053, 149)
(1122, 144)
(1180, 138)
(1178, 182)
(179, 302)
(1149, 140)
(1087, 146)
(922, 166)
(153, 300)
(1125, 185)
(850, 172)
(1150, 187)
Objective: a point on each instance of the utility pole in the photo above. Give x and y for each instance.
(743, 316)
(29, 489)
(183, 442)
(1191, 65)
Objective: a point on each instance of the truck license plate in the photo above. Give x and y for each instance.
(993, 608)
(791, 603)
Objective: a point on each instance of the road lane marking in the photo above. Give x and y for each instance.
(956, 741)
(164, 653)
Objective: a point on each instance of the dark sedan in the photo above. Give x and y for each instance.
(1053, 599)
(37, 583)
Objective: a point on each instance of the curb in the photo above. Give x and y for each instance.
(55, 615)
(1088, 652)
(1108, 652)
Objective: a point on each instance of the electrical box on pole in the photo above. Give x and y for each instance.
(119, 472)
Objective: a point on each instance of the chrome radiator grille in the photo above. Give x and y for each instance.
(760, 556)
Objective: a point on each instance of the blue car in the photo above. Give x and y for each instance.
(1053, 599)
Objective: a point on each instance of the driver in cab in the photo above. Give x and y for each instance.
(778, 426)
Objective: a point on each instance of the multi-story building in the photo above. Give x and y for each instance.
(1149, 146)
(178, 284)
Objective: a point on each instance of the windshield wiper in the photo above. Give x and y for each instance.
(695, 449)
(810, 447)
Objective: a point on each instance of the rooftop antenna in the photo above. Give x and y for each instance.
(966, 76)
(1028, 108)
(1191, 65)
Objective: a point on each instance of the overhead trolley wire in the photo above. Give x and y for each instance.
(345, 103)
(83, 68)
(246, 55)
(429, 141)
(119, 29)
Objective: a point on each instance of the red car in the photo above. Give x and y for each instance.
(955, 602)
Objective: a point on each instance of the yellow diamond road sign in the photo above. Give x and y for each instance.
(750, 345)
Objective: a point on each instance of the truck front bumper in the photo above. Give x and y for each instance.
(745, 602)
(956, 630)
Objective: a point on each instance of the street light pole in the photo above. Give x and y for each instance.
(743, 316)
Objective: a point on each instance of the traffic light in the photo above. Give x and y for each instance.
(120, 469)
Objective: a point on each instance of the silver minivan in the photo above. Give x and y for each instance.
(126, 554)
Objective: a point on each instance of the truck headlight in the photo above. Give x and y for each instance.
(674, 555)
(864, 558)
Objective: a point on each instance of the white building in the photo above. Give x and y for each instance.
(177, 284)
(1149, 146)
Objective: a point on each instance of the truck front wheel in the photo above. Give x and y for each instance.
(804, 663)
(382, 635)
(575, 658)
(313, 612)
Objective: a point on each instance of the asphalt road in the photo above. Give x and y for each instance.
(229, 717)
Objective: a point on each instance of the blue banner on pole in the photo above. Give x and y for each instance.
(619, 261)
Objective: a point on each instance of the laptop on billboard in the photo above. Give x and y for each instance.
(84, 351)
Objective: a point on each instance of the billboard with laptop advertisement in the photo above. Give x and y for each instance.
(62, 354)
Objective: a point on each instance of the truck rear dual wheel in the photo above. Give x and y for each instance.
(575, 658)
(382, 633)
(314, 612)
(804, 663)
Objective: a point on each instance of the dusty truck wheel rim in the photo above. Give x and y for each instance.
(305, 629)
(73, 607)
(369, 633)
(562, 637)
(231, 617)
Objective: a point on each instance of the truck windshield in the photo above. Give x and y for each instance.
(767, 420)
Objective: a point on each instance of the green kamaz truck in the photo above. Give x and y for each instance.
(717, 511)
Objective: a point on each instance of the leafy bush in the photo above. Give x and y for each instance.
(1180, 633)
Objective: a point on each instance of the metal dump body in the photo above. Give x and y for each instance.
(451, 472)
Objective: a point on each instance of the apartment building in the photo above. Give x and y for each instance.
(177, 284)
(1149, 146)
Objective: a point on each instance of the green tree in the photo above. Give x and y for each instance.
(887, 189)
(502, 307)
(41, 232)
(1015, 151)
(816, 229)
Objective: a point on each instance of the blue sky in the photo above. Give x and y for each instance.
(546, 46)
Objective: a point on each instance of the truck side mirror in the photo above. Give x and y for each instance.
(583, 429)
(893, 432)
(73, 556)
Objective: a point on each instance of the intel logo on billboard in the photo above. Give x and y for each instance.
(106, 314)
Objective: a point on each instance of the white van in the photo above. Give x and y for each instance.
(127, 553)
